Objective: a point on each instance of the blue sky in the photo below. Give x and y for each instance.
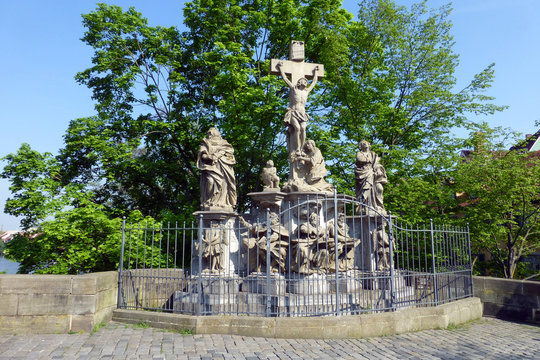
(41, 53)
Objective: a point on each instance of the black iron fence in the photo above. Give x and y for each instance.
(317, 255)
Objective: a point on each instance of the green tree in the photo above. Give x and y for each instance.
(159, 90)
(503, 207)
(67, 231)
(396, 88)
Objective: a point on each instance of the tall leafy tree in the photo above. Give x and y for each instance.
(158, 91)
(396, 88)
(502, 200)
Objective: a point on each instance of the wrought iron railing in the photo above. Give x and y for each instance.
(318, 255)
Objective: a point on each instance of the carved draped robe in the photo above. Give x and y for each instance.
(218, 185)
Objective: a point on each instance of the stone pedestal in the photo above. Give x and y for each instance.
(365, 256)
(267, 199)
(349, 282)
(229, 244)
(309, 284)
(257, 283)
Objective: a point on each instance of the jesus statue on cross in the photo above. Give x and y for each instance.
(296, 117)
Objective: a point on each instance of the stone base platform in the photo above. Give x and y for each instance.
(322, 327)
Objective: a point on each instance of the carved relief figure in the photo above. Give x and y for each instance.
(296, 117)
(216, 161)
(269, 177)
(381, 243)
(256, 242)
(213, 247)
(313, 161)
(370, 177)
(305, 246)
(326, 257)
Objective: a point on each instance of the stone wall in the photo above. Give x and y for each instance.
(509, 299)
(56, 303)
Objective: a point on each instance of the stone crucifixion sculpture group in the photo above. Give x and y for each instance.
(307, 175)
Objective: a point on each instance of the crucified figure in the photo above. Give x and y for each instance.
(296, 117)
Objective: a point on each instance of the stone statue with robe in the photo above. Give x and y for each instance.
(216, 161)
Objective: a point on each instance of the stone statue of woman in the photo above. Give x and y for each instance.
(216, 161)
(370, 177)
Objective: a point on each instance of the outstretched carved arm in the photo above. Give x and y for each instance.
(315, 78)
(279, 65)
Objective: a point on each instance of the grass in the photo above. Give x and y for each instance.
(75, 332)
(97, 327)
(141, 325)
(463, 326)
(183, 332)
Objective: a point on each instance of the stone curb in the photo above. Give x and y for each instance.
(327, 327)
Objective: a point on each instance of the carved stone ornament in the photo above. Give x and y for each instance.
(269, 177)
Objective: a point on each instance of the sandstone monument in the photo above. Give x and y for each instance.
(302, 249)
(297, 239)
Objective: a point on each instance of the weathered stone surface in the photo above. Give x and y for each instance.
(84, 285)
(82, 323)
(216, 161)
(56, 303)
(8, 304)
(299, 328)
(508, 298)
(42, 324)
(43, 304)
(366, 325)
(35, 284)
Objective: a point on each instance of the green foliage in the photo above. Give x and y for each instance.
(78, 240)
(141, 325)
(215, 73)
(34, 181)
(502, 205)
(394, 86)
(97, 327)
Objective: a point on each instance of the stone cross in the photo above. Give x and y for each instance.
(296, 117)
(296, 67)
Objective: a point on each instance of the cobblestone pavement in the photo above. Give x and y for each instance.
(483, 339)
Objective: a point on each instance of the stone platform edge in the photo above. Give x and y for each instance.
(327, 327)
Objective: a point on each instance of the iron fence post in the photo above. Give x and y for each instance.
(199, 279)
(119, 299)
(268, 271)
(470, 260)
(336, 263)
(392, 275)
(435, 288)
